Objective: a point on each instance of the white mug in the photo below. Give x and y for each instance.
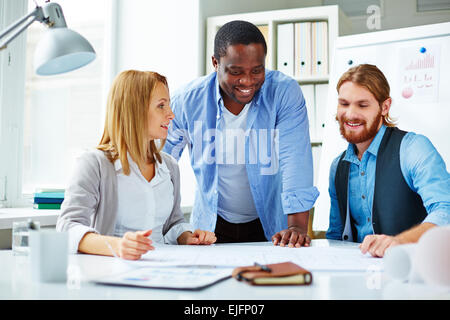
(49, 255)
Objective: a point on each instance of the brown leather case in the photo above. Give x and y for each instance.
(286, 273)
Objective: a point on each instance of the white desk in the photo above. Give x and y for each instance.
(15, 283)
(45, 217)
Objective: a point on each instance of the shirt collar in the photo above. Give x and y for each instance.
(217, 90)
(160, 168)
(375, 145)
(350, 154)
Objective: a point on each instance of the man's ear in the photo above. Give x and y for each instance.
(215, 63)
(386, 106)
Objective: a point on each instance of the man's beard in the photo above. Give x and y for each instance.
(366, 134)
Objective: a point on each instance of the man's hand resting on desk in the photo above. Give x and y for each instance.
(296, 235)
(377, 244)
(292, 237)
(198, 237)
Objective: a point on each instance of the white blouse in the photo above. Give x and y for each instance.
(144, 205)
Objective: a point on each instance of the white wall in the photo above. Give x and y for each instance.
(161, 36)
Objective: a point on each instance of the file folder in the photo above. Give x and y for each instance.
(319, 36)
(302, 63)
(285, 48)
(321, 94)
(316, 154)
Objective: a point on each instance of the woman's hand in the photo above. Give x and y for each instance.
(198, 237)
(134, 244)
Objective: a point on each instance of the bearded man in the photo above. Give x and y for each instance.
(389, 186)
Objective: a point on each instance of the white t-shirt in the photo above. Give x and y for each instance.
(144, 205)
(235, 200)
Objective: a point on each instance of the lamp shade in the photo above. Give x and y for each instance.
(62, 50)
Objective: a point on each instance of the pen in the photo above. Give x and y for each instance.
(263, 267)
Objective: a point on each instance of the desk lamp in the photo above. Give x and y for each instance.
(60, 50)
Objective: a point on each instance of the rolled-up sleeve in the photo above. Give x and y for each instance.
(299, 200)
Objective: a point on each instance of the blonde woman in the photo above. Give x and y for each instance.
(125, 194)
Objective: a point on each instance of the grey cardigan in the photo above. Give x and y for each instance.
(90, 200)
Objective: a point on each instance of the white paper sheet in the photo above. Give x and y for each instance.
(311, 258)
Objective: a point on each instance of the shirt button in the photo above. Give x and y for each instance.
(363, 173)
(368, 219)
(363, 196)
(218, 116)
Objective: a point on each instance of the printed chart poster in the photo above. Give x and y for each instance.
(419, 73)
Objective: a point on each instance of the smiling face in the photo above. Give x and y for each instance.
(359, 113)
(240, 73)
(159, 113)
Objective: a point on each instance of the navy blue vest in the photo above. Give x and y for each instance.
(396, 207)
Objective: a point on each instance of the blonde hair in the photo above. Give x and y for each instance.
(126, 119)
(371, 78)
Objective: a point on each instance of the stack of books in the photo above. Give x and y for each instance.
(48, 198)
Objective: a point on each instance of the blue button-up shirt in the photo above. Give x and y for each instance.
(278, 156)
(422, 167)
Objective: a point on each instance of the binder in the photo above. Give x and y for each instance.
(308, 94)
(302, 50)
(319, 37)
(321, 96)
(285, 48)
(316, 154)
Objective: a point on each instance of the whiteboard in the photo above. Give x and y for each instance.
(416, 64)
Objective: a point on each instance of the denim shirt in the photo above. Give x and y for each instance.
(422, 167)
(277, 150)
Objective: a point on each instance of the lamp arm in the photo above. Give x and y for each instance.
(37, 15)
